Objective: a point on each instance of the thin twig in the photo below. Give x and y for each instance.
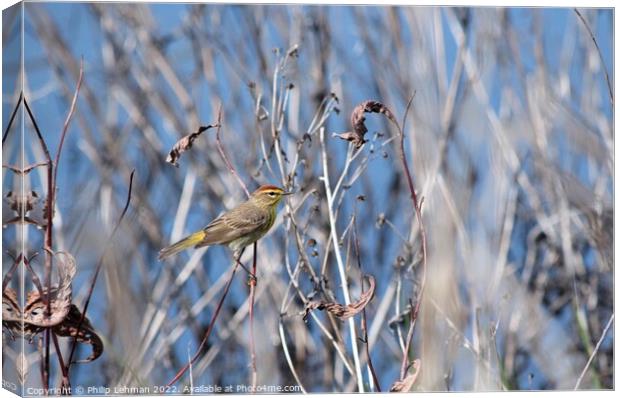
(251, 316)
(203, 343)
(48, 158)
(51, 189)
(232, 170)
(364, 327)
(51, 195)
(9, 275)
(65, 374)
(598, 345)
(48, 240)
(405, 362)
(8, 127)
(600, 55)
(97, 269)
(418, 210)
(287, 355)
(33, 275)
(65, 126)
(220, 148)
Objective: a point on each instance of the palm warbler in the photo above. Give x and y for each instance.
(237, 228)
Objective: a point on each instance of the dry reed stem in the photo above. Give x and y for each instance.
(341, 272)
(594, 352)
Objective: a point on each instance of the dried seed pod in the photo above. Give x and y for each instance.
(344, 311)
(358, 119)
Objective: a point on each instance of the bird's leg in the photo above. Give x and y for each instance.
(238, 260)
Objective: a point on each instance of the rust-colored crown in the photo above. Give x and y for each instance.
(264, 188)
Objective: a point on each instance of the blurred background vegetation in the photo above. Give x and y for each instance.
(510, 141)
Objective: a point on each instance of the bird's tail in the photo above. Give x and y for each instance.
(181, 245)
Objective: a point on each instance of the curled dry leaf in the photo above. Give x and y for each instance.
(358, 119)
(344, 311)
(406, 384)
(184, 144)
(33, 325)
(33, 314)
(64, 318)
(86, 334)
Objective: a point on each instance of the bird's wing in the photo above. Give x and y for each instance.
(234, 224)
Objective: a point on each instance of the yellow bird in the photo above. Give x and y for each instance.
(237, 228)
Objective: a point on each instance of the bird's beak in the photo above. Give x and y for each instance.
(288, 193)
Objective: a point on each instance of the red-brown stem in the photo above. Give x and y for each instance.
(65, 126)
(48, 240)
(367, 346)
(97, 269)
(51, 196)
(418, 210)
(41, 367)
(9, 275)
(405, 363)
(364, 325)
(203, 343)
(220, 148)
(46, 152)
(251, 315)
(35, 278)
(8, 127)
(65, 374)
(46, 360)
(51, 181)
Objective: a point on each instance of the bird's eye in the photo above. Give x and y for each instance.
(272, 194)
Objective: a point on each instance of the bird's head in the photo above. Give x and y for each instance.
(269, 195)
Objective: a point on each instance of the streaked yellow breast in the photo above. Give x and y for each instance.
(258, 233)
